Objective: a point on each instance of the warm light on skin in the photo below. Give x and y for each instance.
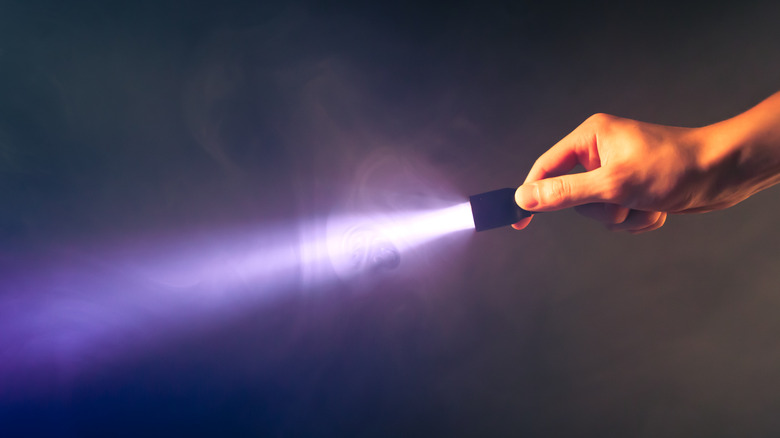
(638, 173)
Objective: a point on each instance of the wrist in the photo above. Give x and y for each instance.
(739, 151)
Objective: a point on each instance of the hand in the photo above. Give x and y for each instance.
(637, 173)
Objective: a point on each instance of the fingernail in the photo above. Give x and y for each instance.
(526, 196)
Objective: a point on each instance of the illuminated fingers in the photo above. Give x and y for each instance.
(658, 224)
(565, 191)
(640, 221)
(617, 218)
(523, 223)
(579, 147)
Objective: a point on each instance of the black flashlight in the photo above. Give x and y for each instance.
(496, 209)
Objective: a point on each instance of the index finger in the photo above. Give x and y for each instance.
(578, 147)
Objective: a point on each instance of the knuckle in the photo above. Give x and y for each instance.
(557, 189)
(600, 119)
(616, 187)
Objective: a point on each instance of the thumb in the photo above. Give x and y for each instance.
(562, 192)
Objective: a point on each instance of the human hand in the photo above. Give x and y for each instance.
(637, 173)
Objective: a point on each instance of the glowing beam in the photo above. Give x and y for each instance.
(363, 244)
(75, 305)
(413, 229)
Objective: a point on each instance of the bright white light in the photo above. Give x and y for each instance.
(368, 243)
(413, 229)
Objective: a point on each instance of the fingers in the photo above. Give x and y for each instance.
(597, 193)
(617, 218)
(640, 221)
(607, 214)
(658, 224)
(523, 223)
(549, 188)
(579, 147)
(565, 191)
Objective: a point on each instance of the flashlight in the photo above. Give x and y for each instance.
(496, 209)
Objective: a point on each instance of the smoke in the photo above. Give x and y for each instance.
(284, 184)
(201, 209)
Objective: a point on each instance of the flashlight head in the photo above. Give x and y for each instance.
(496, 209)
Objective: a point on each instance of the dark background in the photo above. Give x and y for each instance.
(140, 125)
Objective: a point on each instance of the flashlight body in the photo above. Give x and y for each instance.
(496, 209)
